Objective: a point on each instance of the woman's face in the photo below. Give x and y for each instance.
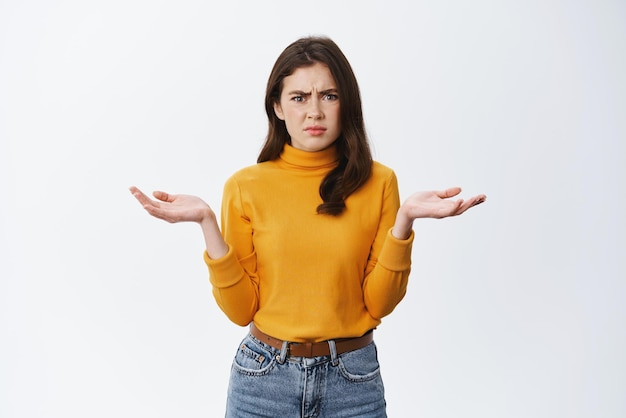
(309, 105)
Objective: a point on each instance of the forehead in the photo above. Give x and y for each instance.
(316, 76)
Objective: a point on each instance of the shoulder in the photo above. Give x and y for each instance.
(381, 170)
(252, 182)
(381, 181)
(383, 173)
(250, 173)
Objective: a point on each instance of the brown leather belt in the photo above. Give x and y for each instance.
(309, 350)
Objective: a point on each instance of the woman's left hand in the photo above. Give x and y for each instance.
(431, 204)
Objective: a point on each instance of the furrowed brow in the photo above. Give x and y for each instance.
(299, 93)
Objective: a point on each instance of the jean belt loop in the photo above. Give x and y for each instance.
(334, 360)
(284, 352)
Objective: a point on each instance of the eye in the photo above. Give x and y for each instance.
(331, 97)
(297, 99)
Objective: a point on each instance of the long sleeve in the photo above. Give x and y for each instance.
(389, 262)
(234, 276)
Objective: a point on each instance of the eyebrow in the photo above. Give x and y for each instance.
(302, 93)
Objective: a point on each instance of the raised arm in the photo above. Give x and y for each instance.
(431, 204)
(389, 265)
(185, 208)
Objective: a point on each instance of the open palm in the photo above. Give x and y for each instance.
(437, 204)
(174, 208)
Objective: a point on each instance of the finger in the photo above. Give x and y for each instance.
(477, 200)
(134, 190)
(452, 191)
(460, 204)
(141, 197)
(162, 196)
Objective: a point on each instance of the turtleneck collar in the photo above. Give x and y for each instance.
(305, 159)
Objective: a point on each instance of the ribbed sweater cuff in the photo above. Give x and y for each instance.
(224, 271)
(396, 253)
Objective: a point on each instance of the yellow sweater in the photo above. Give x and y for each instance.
(301, 276)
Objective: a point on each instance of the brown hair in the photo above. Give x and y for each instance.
(355, 157)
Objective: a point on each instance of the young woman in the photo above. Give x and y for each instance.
(314, 247)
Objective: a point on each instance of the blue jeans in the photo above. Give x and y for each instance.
(264, 384)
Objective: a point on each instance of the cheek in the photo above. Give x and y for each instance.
(337, 117)
(289, 118)
(291, 122)
(292, 114)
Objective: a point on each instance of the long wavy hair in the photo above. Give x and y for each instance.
(355, 157)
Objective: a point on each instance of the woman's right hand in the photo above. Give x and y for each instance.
(174, 208)
(185, 208)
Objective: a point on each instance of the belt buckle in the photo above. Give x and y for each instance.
(285, 352)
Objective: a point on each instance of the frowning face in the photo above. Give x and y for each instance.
(309, 105)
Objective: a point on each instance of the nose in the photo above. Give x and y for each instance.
(315, 109)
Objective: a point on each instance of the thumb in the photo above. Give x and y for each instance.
(450, 192)
(163, 196)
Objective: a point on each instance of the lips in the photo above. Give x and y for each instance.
(315, 130)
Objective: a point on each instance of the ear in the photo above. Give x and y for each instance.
(278, 110)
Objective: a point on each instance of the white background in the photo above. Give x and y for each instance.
(515, 309)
